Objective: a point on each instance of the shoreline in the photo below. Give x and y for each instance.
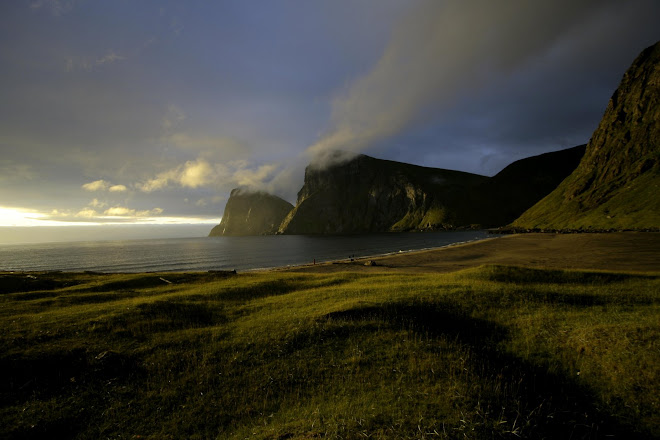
(240, 253)
(615, 251)
(366, 258)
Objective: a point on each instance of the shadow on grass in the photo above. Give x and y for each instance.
(274, 288)
(525, 275)
(46, 375)
(136, 282)
(161, 316)
(146, 281)
(81, 380)
(22, 282)
(547, 405)
(95, 298)
(587, 300)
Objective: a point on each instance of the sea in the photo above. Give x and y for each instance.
(217, 253)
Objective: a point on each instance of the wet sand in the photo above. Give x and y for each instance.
(618, 251)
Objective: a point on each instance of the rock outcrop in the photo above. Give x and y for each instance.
(251, 213)
(617, 183)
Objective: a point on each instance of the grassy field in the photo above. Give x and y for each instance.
(487, 352)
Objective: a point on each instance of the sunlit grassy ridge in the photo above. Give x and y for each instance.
(484, 353)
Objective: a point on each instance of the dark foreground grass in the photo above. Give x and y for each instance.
(492, 352)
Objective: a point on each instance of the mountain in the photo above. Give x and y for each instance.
(617, 183)
(505, 196)
(364, 194)
(251, 213)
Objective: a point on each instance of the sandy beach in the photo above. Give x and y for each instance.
(618, 251)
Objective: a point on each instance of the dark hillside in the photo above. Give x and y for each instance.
(505, 196)
(251, 213)
(617, 184)
(365, 194)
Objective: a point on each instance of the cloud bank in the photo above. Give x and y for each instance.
(202, 173)
(103, 185)
(439, 52)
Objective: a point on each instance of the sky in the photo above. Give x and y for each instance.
(127, 119)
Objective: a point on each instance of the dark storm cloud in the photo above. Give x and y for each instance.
(557, 98)
(510, 78)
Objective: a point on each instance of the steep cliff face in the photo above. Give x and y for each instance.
(365, 194)
(251, 213)
(617, 183)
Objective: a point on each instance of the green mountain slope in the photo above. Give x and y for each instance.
(617, 184)
(251, 213)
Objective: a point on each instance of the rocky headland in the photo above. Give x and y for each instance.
(251, 213)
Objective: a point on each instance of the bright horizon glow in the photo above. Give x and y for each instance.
(21, 217)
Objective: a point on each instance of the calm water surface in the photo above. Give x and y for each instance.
(216, 253)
